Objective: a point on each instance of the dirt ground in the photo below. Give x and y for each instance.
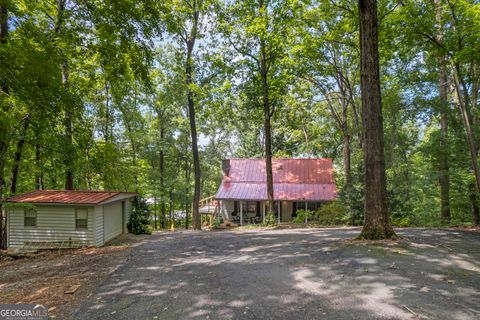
(44, 277)
(294, 274)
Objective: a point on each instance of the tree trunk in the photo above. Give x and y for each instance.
(172, 218)
(162, 176)
(346, 158)
(155, 209)
(267, 127)
(187, 191)
(134, 148)
(376, 224)
(18, 156)
(468, 130)
(67, 118)
(39, 172)
(474, 204)
(196, 223)
(444, 176)
(3, 143)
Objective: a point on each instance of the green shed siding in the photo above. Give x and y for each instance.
(54, 224)
(112, 220)
(99, 241)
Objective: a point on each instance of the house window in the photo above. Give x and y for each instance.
(81, 218)
(30, 218)
(302, 205)
(251, 207)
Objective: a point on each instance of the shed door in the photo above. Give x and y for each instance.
(112, 224)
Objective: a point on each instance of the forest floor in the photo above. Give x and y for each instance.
(293, 274)
(44, 277)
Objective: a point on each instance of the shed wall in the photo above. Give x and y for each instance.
(99, 226)
(54, 224)
(112, 215)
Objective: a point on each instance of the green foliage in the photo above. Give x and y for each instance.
(332, 213)
(302, 215)
(126, 85)
(270, 219)
(139, 221)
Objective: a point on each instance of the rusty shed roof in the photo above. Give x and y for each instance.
(66, 197)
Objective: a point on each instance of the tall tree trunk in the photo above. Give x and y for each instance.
(475, 210)
(162, 176)
(39, 172)
(134, 149)
(474, 204)
(3, 141)
(444, 176)
(267, 112)
(196, 223)
(347, 158)
(187, 191)
(67, 118)
(172, 219)
(18, 156)
(377, 222)
(462, 103)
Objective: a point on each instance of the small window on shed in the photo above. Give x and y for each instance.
(30, 217)
(81, 218)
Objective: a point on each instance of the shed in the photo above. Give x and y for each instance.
(66, 218)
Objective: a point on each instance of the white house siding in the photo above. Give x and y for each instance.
(55, 227)
(112, 223)
(99, 226)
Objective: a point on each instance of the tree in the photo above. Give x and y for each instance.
(259, 30)
(190, 23)
(377, 222)
(4, 91)
(443, 178)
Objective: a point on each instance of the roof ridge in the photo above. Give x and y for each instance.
(281, 158)
(84, 191)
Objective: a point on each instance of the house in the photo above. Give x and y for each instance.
(297, 184)
(54, 219)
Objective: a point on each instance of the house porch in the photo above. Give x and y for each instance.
(244, 212)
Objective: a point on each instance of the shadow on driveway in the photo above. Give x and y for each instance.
(294, 274)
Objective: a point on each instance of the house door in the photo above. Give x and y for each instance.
(287, 208)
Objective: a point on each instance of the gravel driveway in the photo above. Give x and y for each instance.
(294, 274)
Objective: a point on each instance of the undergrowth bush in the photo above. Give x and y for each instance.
(138, 222)
(270, 219)
(332, 213)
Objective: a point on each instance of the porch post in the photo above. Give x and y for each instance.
(279, 212)
(241, 212)
(263, 212)
(306, 209)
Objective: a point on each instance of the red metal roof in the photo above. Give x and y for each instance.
(293, 179)
(66, 196)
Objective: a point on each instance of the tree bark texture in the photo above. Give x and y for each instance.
(162, 176)
(17, 158)
(462, 104)
(376, 221)
(38, 164)
(267, 112)
(67, 118)
(196, 223)
(3, 143)
(444, 176)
